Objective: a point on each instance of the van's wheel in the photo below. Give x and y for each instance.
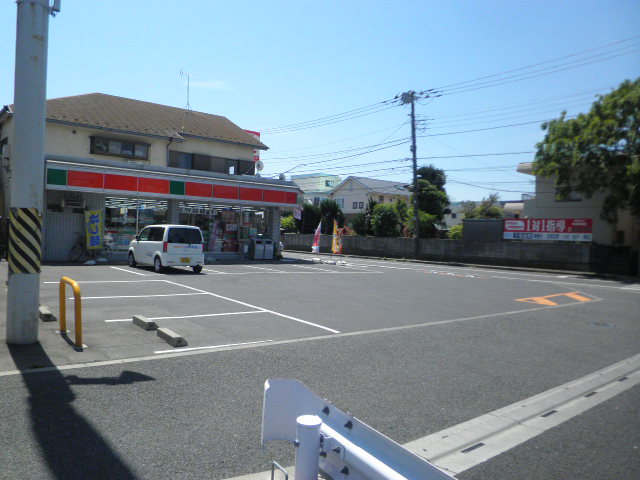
(197, 268)
(131, 260)
(157, 265)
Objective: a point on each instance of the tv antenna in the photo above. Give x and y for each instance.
(188, 75)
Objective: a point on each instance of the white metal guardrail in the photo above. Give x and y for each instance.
(335, 442)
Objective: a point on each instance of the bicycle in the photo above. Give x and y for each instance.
(80, 251)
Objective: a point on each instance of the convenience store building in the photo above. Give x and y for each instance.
(140, 163)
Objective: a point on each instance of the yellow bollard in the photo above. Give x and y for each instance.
(78, 308)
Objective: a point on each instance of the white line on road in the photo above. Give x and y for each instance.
(214, 271)
(141, 296)
(470, 443)
(109, 281)
(265, 269)
(314, 268)
(130, 271)
(212, 347)
(258, 308)
(285, 342)
(189, 316)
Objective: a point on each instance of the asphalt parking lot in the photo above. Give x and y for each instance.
(256, 302)
(410, 348)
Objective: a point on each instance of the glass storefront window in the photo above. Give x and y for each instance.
(125, 217)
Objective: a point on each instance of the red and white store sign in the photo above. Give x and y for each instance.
(566, 229)
(256, 152)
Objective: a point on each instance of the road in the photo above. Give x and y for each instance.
(412, 349)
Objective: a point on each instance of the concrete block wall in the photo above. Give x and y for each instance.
(569, 256)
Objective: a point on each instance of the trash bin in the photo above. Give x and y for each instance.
(268, 249)
(256, 249)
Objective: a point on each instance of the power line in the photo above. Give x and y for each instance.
(475, 81)
(331, 119)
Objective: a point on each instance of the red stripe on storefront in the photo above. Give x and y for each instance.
(254, 194)
(153, 185)
(85, 179)
(274, 196)
(220, 191)
(193, 189)
(292, 198)
(120, 182)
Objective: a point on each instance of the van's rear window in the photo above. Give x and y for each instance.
(184, 235)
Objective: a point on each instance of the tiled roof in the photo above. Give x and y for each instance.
(135, 116)
(380, 186)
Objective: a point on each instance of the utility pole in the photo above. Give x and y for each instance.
(410, 97)
(27, 167)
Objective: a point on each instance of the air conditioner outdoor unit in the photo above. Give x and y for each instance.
(72, 203)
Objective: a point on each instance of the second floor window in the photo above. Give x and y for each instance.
(355, 205)
(328, 183)
(119, 148)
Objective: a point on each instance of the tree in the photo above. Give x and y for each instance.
(288, 224)
(428, 224)
(488, 207)
(330, 211)
(384, 220)
(597, 152)
(455, 232)
(402, 211)
(310, 218)
(432, 197)
(359, 224)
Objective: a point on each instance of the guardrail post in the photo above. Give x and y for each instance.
(78, 308)
(308, 447)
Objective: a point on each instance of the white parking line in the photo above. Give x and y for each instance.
(314, 268)
(265, 269)
(130, 271)
(212, 347)
(214, 271)
(189, 316)
(109, 281)
(140, 296)
(258, 308)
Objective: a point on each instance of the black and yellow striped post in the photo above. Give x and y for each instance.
(25, 241)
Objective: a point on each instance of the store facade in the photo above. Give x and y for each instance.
(229, 212)
(126, 164)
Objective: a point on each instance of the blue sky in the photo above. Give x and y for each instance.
(268, 65)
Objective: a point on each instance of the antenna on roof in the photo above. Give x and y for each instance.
(187, 106)
(188, 75)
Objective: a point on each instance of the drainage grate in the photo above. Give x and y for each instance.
(472, 448)
(548, 414)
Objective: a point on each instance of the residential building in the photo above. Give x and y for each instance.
(455, 217)
(353, 194)
(315, 186)
(138, 163)
(545, 204)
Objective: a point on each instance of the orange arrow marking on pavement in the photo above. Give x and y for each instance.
(545, 300)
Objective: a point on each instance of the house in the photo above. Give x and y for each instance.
(455, 217)
(136, 163)
(315, 186)
(546, 205)
(353, 194)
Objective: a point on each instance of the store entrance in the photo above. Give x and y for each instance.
(227, 229)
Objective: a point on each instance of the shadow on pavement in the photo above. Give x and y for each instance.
(70, 445)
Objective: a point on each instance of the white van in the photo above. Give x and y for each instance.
(168, 246)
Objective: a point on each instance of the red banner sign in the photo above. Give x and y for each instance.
(566, 229)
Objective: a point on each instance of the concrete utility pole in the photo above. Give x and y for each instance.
(27, 168)
(410, 97)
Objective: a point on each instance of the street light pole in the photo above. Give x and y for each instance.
(27, 170)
